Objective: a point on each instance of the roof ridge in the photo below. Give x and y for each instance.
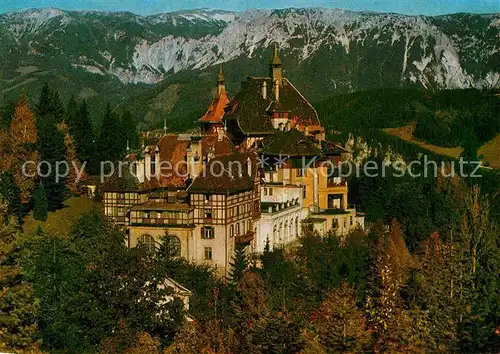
(305, 99)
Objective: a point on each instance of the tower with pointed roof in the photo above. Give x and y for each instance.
(221, 87)
(212, 121)
(276, 67)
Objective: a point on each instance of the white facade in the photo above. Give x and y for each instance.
(281, 215)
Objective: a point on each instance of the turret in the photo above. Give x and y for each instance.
(276, 68)
(194, 157)
(221, 87)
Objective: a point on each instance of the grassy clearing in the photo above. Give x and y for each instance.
(491, 152)
(60, 221)
(406, 133)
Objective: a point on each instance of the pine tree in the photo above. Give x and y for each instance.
(52, 149)
(239, 263)
(129, 128)
(51, 146)
(110, 143)
(12, 193)
(71, 113)
(6, 114)
(81, 130)
(40, 203)
(18, 306)
(479, 241)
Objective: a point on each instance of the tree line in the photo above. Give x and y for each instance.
(52, 132)
(367, 291)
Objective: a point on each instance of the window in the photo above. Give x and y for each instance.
(121, 211)
(335, 224)
(148, 242)
(270, 191)
(304, 192)
(301, 172)
(172, 246)
(207, 232)
(237, 228)
(208, 213)
(153, 167)
(120, 196)
(208, 253)
(231, 230)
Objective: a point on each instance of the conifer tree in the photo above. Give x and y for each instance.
(51, 147)
(40, 203)
(18, 306)
(71, 158)
(85, 141)
(129, 128)
(11, 193)
(52, 150)
(71, 113)
(110, 143)
(239, 263)
(6, 114)
(479, 241)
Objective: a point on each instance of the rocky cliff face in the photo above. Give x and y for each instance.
(357, 50)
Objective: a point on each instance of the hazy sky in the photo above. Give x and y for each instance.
(146, 7)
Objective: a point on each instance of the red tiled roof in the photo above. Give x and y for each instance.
(215, 111)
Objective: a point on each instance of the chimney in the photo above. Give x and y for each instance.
(157, 162)
(147, 163)
(264, 90)
(220, 134)
(249, 166)
(277, 90)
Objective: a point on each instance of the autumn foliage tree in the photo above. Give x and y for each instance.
(19, 147)
(338, 325)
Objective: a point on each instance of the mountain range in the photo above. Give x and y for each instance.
(164, 66)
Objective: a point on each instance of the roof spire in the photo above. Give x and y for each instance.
(128, 146)
(220, 77)
(165, 126)
(276, 59)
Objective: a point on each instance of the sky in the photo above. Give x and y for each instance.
(148, 7)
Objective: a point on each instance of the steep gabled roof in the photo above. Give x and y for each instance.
(289, 143)
(122, 181)
(215, 111)
(250, 109)
(226, 175)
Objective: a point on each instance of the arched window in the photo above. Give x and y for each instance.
(297, 227)
(285, 232)
(148, 242)
(172, 246)
(291, 229)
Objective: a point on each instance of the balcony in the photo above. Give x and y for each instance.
(246, 238)
(336, 183)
